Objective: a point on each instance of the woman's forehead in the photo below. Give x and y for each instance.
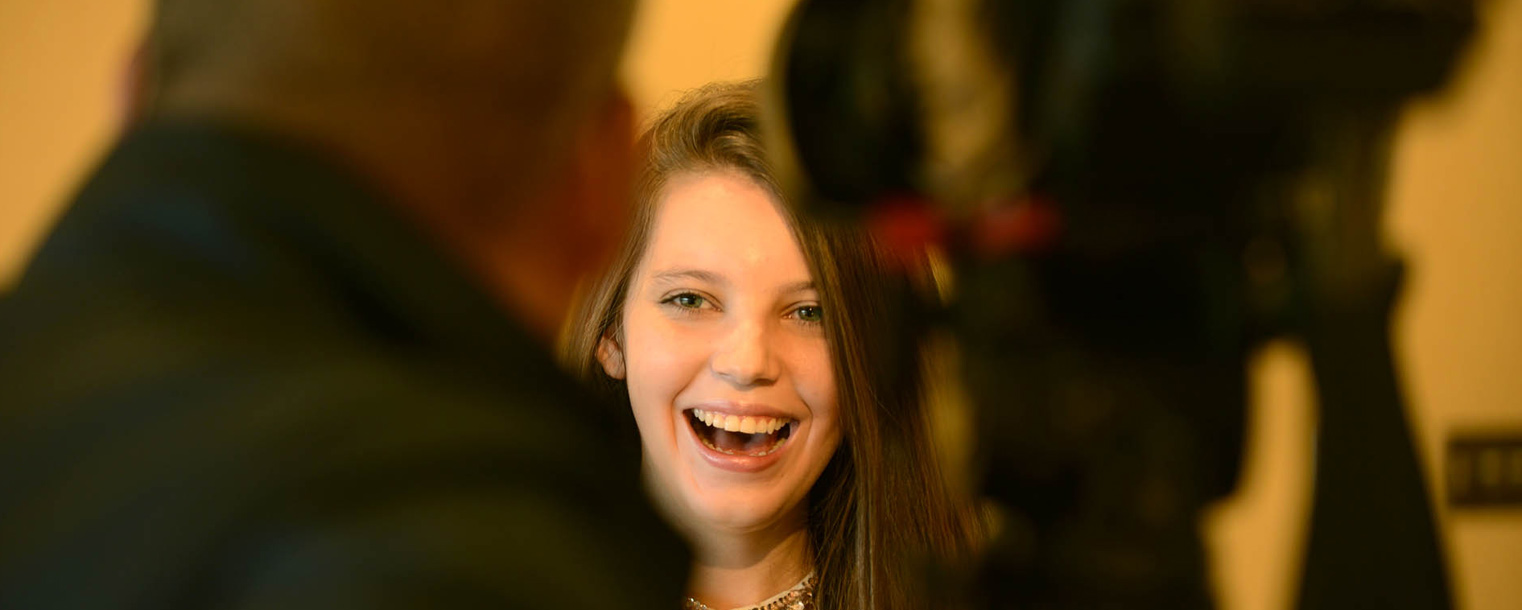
(723, 223)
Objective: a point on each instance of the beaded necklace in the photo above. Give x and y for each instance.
(800, 597)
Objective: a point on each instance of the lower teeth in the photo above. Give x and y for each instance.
(775, 446)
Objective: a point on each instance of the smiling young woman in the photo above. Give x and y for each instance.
(772, 366)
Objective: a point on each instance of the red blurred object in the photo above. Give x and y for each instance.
(1029, 225)
(905, 225)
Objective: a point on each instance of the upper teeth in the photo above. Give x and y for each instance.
(735, 423)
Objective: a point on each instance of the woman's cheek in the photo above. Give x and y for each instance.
(663, 365)
(818, 389)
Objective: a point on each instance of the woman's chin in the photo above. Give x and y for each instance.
(739, 513)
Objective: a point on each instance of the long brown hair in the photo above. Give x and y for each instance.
(882, 506)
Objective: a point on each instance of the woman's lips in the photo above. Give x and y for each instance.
(739, 443)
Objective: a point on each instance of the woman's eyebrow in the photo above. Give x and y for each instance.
(701, 275)
(803, 286)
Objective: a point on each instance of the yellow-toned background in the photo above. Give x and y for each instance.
(1456, 209)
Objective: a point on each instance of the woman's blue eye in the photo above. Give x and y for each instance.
(687, 300)
(812, 314)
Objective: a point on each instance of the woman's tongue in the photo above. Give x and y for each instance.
(740, 442)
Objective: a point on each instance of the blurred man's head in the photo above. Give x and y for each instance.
(481, 117)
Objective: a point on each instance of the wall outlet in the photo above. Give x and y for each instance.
(1484, 469)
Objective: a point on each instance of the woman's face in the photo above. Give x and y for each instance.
(724, 355)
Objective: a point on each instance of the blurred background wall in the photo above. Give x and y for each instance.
(1455, 210)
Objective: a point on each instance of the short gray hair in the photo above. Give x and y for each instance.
(542, 60)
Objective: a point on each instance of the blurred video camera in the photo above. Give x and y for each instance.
(1134, 195)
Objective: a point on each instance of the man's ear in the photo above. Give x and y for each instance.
(137, 86)
(611, 356)
(606, 165)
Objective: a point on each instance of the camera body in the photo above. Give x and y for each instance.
(1134, 196)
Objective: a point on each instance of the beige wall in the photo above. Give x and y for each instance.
(1456, 209)
(681, 44)
(58, 65)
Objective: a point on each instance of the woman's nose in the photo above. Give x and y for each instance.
(745, 358)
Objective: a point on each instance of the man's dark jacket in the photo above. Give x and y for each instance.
(233, 378)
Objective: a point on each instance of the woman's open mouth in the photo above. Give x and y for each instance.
(746, 436)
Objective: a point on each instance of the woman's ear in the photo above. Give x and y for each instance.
(611, 356)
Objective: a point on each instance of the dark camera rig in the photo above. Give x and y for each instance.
(1135, 195)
